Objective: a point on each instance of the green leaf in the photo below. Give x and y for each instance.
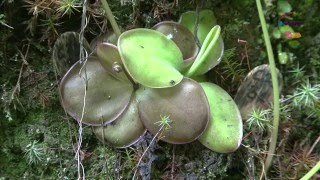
(205, 24)
(209, 55)
(283, 57)
(294, 44)
(283, 6)
(106, 97)
(224, 132)
(276, 33)
(185, 105)
(151, 58)
(256, 91)
(124, 131)
(110, 59)
(109, 37)
(66, 52)
(182, 37)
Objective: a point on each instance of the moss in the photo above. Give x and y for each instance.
(197, 161)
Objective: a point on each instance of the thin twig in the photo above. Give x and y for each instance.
(263, 173)
(173, 162)
(313, 146)
(83, 57)
(246, 52)
(80, 165)
(24, 63)
(199, 4)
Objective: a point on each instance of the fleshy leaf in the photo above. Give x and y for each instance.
(151, 58)
(66, 52)
(106, 97)
(205, 24)
(283, 6)
(109, 37)
(124, 131)
(110, 59)
(209, 55)
(224, 132)
(185, 106)
(256, 90)
(182, 37)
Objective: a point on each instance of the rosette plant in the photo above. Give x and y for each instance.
(127, 84)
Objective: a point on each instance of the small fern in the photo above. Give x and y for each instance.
(231, 68)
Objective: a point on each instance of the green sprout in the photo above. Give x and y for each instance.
(164, 122)
(298, 73)
(260, 119)
(34, 153)
(306, 95)
(3, 21)
(231, 68)
(68, 6)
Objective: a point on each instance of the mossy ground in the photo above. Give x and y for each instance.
(32, 115)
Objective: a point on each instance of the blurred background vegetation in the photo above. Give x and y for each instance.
(37, 138)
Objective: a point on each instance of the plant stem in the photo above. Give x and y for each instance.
(276, 103)
(117, 31)
(110, 17)
(315, 169)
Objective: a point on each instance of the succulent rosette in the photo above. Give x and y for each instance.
(123, 89)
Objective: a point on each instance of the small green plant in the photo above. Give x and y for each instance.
(34, 152)
(68, 6)
(306, 96)
(164, 122)
(231, 68)
(298, 73)
(260, 119)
